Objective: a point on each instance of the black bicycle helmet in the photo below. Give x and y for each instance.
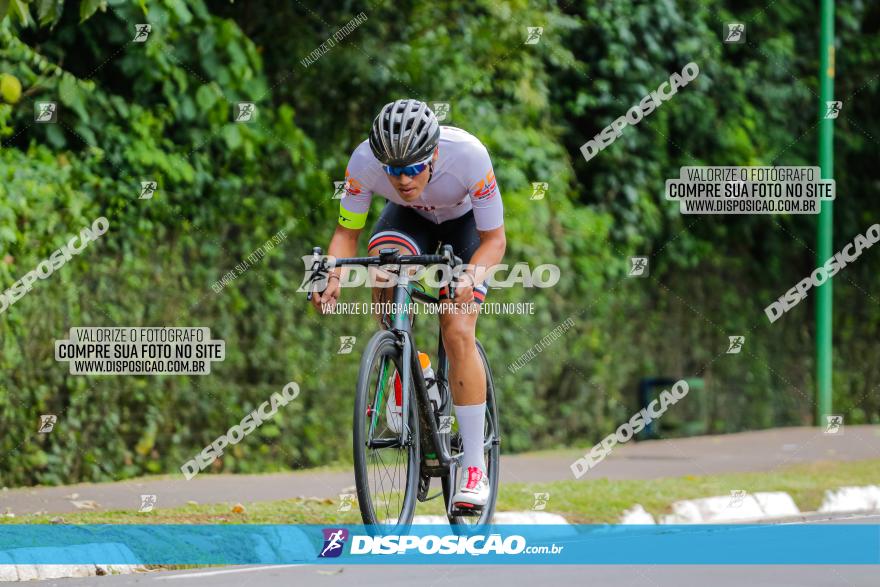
(404, 132)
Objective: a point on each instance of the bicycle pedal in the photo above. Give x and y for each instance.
(475, 512)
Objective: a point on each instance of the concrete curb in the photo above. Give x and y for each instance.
(17, 564)
(637, 515)
(741, 507)
(851, 499)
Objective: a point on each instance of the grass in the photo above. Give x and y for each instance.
(590, 501)
(605, 500)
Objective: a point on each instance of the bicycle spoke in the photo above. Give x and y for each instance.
(381, 474)
(387, 466)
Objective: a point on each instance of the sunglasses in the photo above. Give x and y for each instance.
(410, 170)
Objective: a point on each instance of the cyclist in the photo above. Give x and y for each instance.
(440, 188)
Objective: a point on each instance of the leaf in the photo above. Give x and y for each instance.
(71, 95)
(86, 504)
(7, 234)
(55, 136)
(232, 136)
(48, 11)
(181, 11)
(86, 133)
(206, 97)
(20, 8)
(88, 8)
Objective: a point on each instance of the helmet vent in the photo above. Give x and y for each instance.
(404, 132)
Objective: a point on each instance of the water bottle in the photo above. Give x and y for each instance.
(428, 373)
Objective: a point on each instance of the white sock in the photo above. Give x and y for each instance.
(471, 420)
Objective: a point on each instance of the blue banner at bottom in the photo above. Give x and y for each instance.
(832, 544)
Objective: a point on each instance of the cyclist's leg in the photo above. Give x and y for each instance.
(466, 374)
(467, 380)
(397, 228)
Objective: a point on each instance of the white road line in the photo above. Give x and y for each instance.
(226, 572)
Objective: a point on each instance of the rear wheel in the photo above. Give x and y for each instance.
(386, 466)
(492, 454)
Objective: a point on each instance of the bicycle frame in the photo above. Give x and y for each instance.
(401, 327)
(412, 371)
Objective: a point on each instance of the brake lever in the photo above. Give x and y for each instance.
(453, 261)
(318, 272)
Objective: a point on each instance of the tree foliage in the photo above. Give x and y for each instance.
(163, 110)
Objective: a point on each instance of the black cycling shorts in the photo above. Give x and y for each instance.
(402, 227)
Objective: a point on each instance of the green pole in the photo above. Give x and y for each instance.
(826, 215)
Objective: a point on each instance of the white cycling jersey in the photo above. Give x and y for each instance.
(463, 180)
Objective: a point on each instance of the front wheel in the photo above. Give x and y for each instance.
(492, 454)
(386, 462)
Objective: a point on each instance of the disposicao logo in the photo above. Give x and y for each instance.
(334, 541)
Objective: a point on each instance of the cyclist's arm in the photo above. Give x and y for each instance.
(353, 207)
(343, 244)
(488, 209)
(493, 243)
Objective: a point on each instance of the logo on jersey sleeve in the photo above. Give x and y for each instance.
(486, 188)
(352, 186)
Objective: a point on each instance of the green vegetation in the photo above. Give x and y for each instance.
(605, 500)
(162, 110)
(584, 502)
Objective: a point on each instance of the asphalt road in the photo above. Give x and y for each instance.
(509, 576)
(765, 450)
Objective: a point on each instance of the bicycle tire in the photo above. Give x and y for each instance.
(383, 344)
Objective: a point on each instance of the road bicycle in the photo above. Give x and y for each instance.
(393, 469)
